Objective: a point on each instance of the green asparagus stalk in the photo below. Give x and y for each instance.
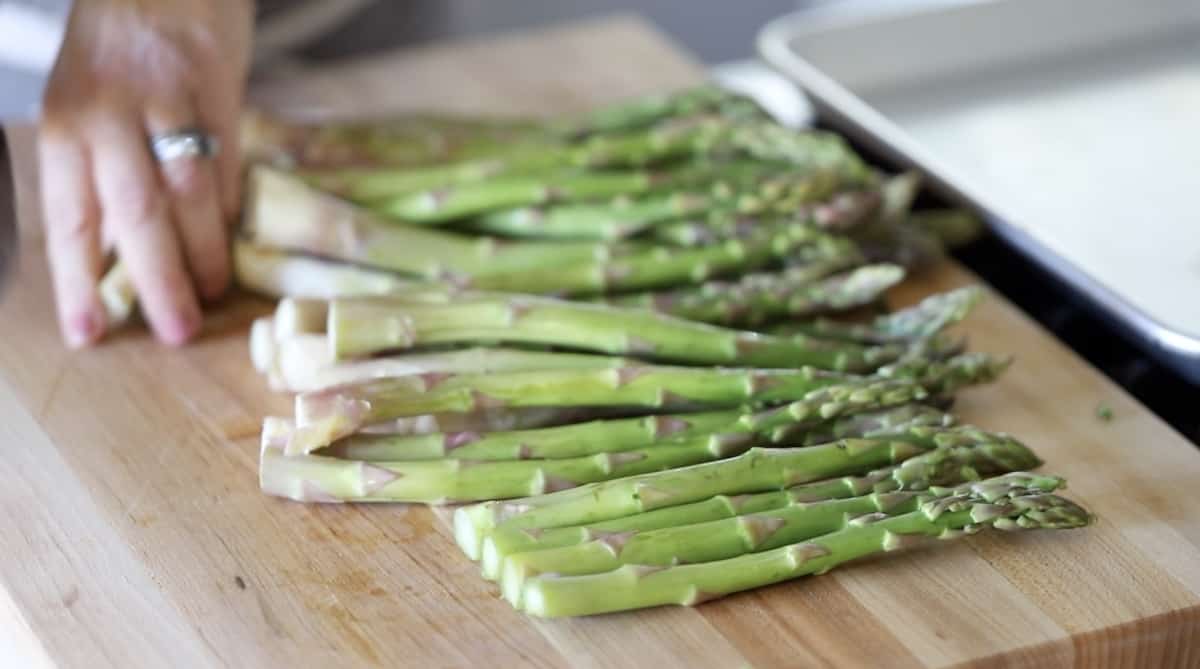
(873, 423)
(757, 298)
(940, 467)
(401, 140)
(697, 137)
(843, 211)
(328, 415)
(648, 110)
(315, 478)
(748, 192)
(1005, 503)
(944, 466)
(282, 212)
(726, 538)
(319, 478)
(757, 470)
(922, 320)
(486, 420)
(360, 327)
(609, 221)
(610, 436)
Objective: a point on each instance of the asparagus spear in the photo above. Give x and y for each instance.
(304, 363)
(364, 326)
(749, 192)
(727, 538)
(312, 478)
(315, 478)
(485, 420)
(523, 190)
(282, 212)
(874, 423)
(403, 139)
(944, 466)
(922, 320)
(1005, 503)
(844, 211)
(276, 273)
(610, 436)
(327, 415)
(756, 298)
(757, 470)
(693, 137)
(648, 110)
(612, 220)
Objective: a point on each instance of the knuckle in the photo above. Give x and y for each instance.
(135, 206)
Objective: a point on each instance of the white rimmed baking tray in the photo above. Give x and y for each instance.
(1073, 124)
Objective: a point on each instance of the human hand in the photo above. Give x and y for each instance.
(129, 70)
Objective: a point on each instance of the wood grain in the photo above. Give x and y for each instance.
(134, 533)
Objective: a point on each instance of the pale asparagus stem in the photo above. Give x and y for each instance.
(757, 470)
(756, 298)
(943, 466)
(727, 538)
(925, 319)
(365, 326)
(774, 426)
(282, 212)
(263, 351)
(300, 316)
(1003, 503)
(279, 274)
(117, 296)
(647, 110)
(338, 412)
(304, 363)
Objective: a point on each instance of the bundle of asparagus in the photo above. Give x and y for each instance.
(641, 323)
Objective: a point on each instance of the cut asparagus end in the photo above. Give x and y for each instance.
(117, 295)
(298, 316)
(277, 273)
(471, 523)
(262, 344)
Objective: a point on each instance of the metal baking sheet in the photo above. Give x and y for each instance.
(1074, 124)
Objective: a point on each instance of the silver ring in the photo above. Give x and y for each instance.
(186, 143)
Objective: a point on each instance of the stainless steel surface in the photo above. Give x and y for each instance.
(1070, 122)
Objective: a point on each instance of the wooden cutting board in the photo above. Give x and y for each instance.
(134, 534)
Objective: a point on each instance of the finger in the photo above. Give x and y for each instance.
(191, 185)
(218, 112)
(72, 236)
(135, 206)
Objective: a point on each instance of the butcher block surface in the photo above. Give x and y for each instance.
(134, 534)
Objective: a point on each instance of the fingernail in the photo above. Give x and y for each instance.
(84, 329)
